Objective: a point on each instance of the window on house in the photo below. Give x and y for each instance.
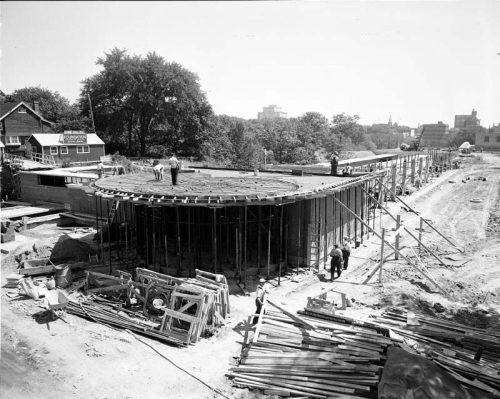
(486, 139)
(82, 149)
(498, 139)
(21, 110)
(12, 140)
(53, 151)
(64, 150)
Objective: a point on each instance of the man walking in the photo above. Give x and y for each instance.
(346, 252)
(334, 163)
(175, 166)
(260, 295)
(336, 262)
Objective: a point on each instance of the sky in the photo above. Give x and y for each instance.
(415, 61)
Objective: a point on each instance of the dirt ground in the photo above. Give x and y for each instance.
(82, 359)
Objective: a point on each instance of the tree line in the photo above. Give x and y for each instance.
(147, 106)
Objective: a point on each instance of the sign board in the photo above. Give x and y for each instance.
(74, 138)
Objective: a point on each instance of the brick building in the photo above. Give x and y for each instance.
(467, 121)
(434, 135)
(71, 146)
(18, 121)
(489, 139)
(271, 112)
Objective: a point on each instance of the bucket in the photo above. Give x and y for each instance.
(63, 276)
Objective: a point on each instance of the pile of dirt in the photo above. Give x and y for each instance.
(68, 249)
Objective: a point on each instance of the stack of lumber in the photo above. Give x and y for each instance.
(332, 359)
(471, 355)
(13, 279)
(110, 314)
(176, 310)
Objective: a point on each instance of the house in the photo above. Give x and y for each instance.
(18, 121)
(467, 121)
(489, 139)
(70, 146)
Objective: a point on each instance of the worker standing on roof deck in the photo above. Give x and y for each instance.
(158, 170)
(336, 262)
(260, 294)
(346, 251)
(175, 166)
(347, 170)
(334, 162)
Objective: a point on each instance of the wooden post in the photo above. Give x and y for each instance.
(381, 256)
(396, 244)
(214, 240)
(259, 239)
(299, 247)
(403, 182)
(420, 230)
(178, 232)
(281, 244)
(394, 178)
(413, 170)
(245, 248)
(427, 168)
(420, 164)
(269, 243)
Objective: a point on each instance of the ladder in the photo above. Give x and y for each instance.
(112, 212)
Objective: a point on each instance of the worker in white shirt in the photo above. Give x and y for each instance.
(175, 166)
(260, 294)
(158, 170)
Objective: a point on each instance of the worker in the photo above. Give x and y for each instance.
(100, 170)
(115, 168)
(260, 294)
(334, 162)
(158, 170)
(347, 170)
(175, 166)
(346, 251)
(336, 262)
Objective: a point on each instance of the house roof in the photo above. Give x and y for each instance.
(8, 108)
(2, 145)
(55, 139)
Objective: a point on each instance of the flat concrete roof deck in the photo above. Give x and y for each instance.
(224, 187)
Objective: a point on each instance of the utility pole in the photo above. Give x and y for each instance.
(91, 113)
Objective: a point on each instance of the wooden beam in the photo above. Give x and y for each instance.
(294, 317)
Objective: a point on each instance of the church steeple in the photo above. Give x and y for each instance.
(390, 120)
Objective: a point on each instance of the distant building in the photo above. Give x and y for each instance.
(489, 139)
(467, 121)
(434, 135)
(271, 112)
(71, 146)
(18, 121)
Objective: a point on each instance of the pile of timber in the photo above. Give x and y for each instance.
(471, 355)
(312, 357)
(173, 310)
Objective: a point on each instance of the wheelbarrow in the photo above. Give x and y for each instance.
(57, 303)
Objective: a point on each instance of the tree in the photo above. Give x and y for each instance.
(312, 132)
(53, 106)
(155, 102)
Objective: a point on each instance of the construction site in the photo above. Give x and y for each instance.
(122, 285)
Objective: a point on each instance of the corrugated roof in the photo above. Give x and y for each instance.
(55, 139)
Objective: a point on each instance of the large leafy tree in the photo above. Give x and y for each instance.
(145, 102)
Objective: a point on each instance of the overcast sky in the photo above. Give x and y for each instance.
(417, 61)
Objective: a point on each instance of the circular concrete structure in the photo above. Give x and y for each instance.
(194, 187)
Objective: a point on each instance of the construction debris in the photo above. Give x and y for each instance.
(471, 355)
(173, 310)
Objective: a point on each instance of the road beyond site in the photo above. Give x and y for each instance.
(77, 358)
